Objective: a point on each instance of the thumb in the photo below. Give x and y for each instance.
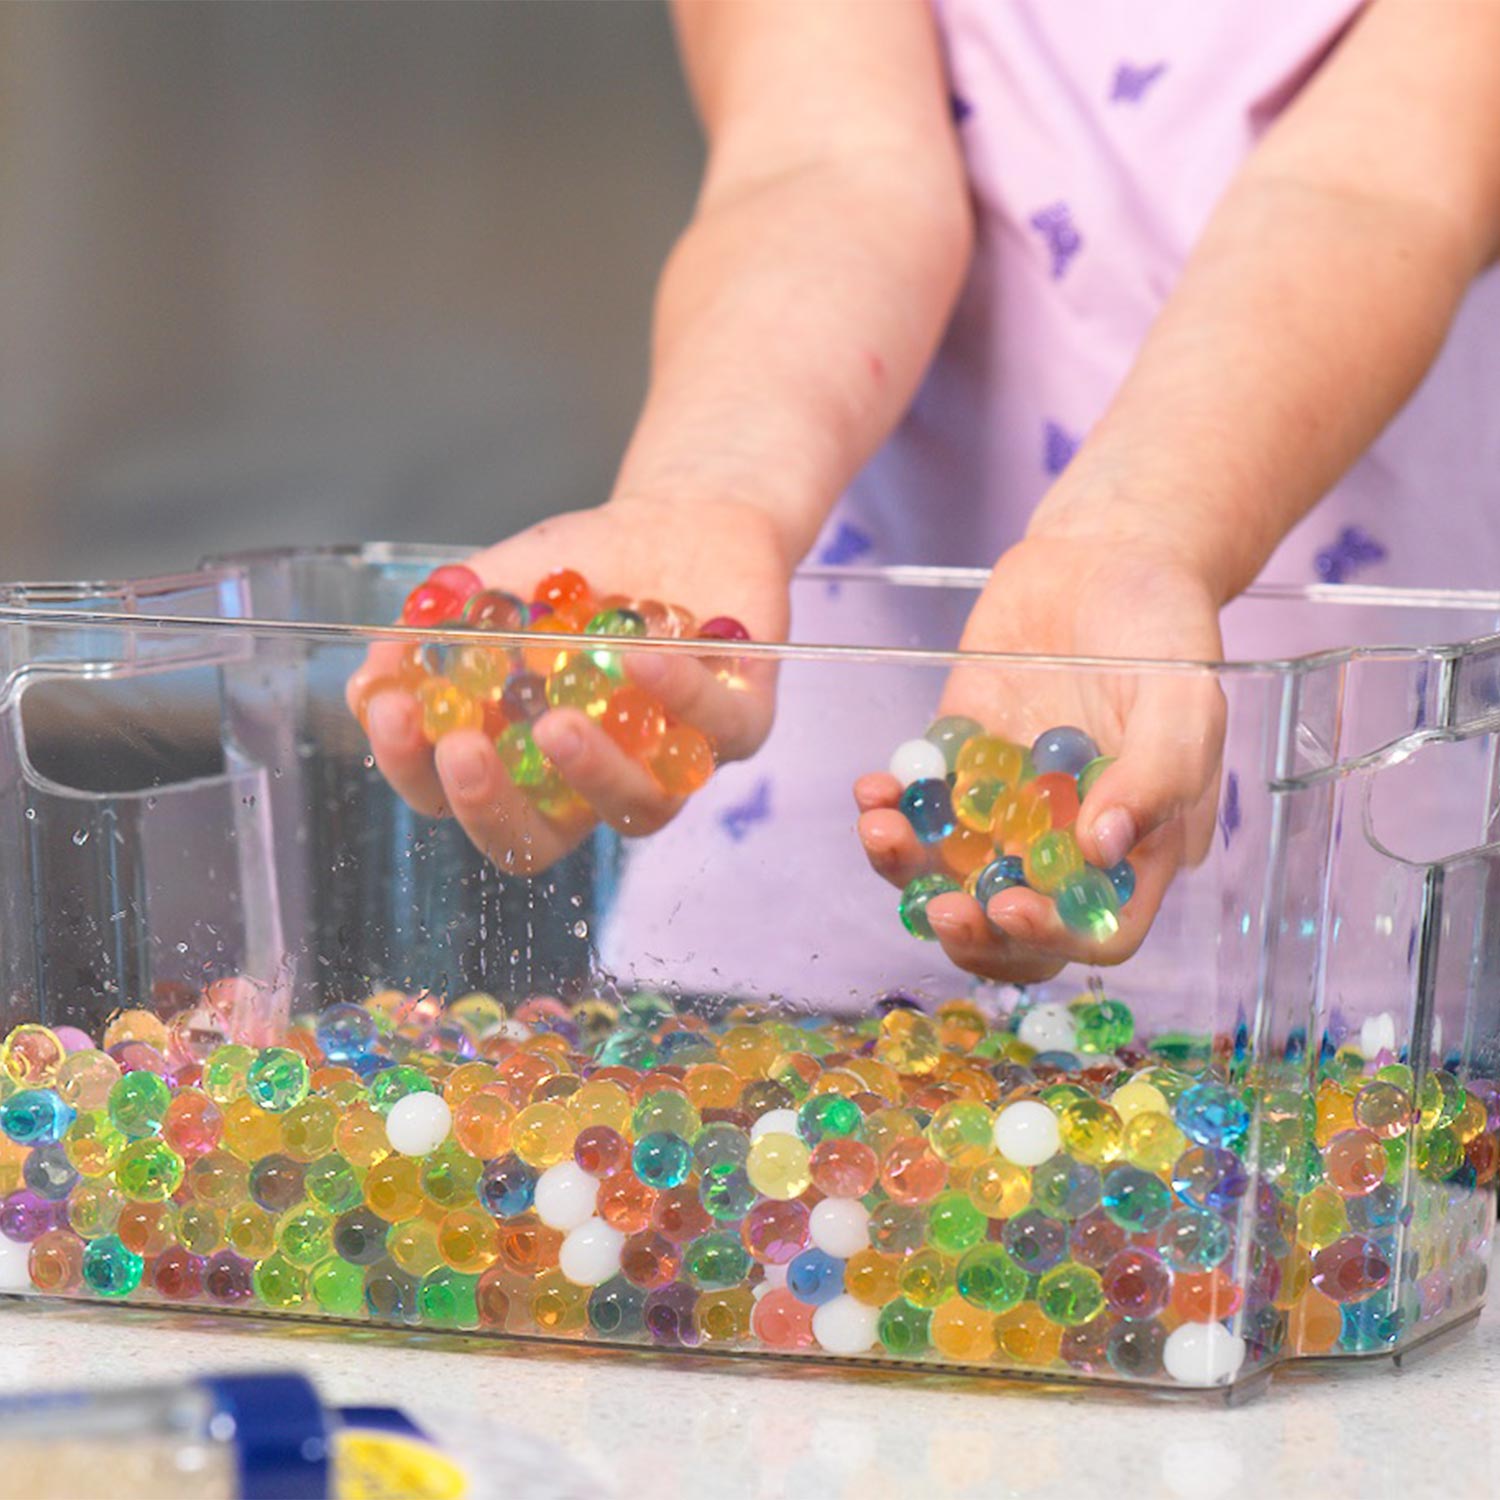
(1167, 769)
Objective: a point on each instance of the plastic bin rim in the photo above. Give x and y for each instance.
(31, 603)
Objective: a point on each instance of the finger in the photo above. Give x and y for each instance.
(735, 713)
(497, 816)
(878, 789)
(1167, 768)
(970, 941)
(892, 847)
(402, 753)
(385, 659)
(620, 790)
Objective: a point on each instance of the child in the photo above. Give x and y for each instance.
(1116, 291)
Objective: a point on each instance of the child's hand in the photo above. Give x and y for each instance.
(1155, 804)
(714, 559)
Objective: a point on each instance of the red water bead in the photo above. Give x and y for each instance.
(493, 719)
(1350, 1269)
(178, 1274)
(1355, 1162)
(776, 1231)
(527, 1245)
(1483, 1155)
(843, 1168)
(910, 1172)
(601, 1151)
(494, 609)
(492, 1297)
(679, 1215)
(457, 577)
(521, 1072)
(563, 589)
(1060, 793)
(141, 1057)
(634, 720)
(722, 628)
(649, 1260)
(1136, 1284)
(1096, 1239)
(780, 1321)
(305, 1044)
(1204, 1296)
(192, 1124)
(431, 604)
(626, 1202)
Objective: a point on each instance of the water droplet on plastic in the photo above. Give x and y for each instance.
(31, 815)
(182, 947)
(369, 762)
(580, 929)
(80, 836)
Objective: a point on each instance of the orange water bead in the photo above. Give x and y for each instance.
(843, 1168)
(635, 721)
(499, 1290)
(780, 1321)
(875, 1076)
(679, 1215)
(884, 1127)
(482, 1124)
(1204, 1296)
(250, 1131)
(961, 1332)
(479, 671)
(55, 1261)
(393, 1189)
(1354, 1162)
(712, 1086)
(404, 676)
(1019, 817)
(528, 1246)
(563, 589)
(1026, 1335)
(340, 1084)
(1060, 793)
(468, 1239)
(1483, 1156)
(1335, 1112)
(301, 1040)
(547, 659)
(683, 761)
(1314, 1324)
(965, 850)
(749, 1050)
(910, 1172)
(12, 1161)
(543, 1134)
(626, 1202)
(523, 1071)
(192, 1124)
(136, 1026)
(360, 1136)
(218, 1178)
(466, 1079)
(146, 1228)
(872, 1278)
(445, 709)
(960, 1024)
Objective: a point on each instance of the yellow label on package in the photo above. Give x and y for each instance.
(375, 1465)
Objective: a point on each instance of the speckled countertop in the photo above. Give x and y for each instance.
(642, 1426)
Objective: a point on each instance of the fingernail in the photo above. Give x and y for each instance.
(560, 741)
(466, 771)
(1114, 835)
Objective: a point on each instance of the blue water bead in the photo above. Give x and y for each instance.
(368, 1064)
(1122, 877)
(1213, 1115)
(49, 1174)
(662, 1160)
(1064, 749)
(346, 1032)
(1378, 1210)
(999, 875)
(1210, 1177)
(1370, 1325)
(815, 1277)
(1064, 1062)
(508, 1187)
(928, 807)
(687, 1047)
(35, 1117)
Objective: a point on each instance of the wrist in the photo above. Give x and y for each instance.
(673, 514)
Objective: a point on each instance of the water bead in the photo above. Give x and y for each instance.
(543, 1134)
(277, 1079)
(1192, 1240)
(722, 628)
(430, 604)
(662, 1160)
(845, 1326)
(1063, 749)
(918, 760)
(1089, 905)
(987, 757)
(1065, 1188)
(580, 684)
(224, 1072)
(1051, 861)
(774, 1232)
(445, 708)
(521, 757)
(1211, 1177)
(1026, 1133)
(35, 1117)
(1048, 1027)
(449, 1177)
(1103, 1026)
(305, 1236)
(32, 1055)
(777, 1166)
(1070, 1295)
(1355, 1162)
(418, 1123)
(954, 1223)
(565, 1196)
(1122, 878)
(910, 1173)
(1090, 1130)
(683, 761)
(1152, 1140)
(1002, 874)
(85, 1078)
(277, 1182)
(109, 1269)
(1059, 795)
(1035, 1240)
(346, 1032)
(988, 1278)
(815, 1277)
(843, 1168)
(1091, 773)
(446, 1299)
(1350, 1269)
(193, 1123)
(634, 721)
(961, 1133)
(1212, 1115)
(928, 807)
(903, 1329)
(1202, 1354)
(93, 1210)
(49, 1173)
(950, 734)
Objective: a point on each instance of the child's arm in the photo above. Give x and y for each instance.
(794, 321)
(1318, 296)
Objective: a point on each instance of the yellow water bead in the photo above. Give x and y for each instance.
(543, 1134)
(1091, 1131)
(711, 1086)
(908, 1041)
(360, 1136)
(250, 1132)
(779, 1166)
(307, 1129)
(466, 1079)
(413, 1245)
(1335, 1112)
(962, 1332)
(393, 1189)
(749, 1050)
(1138, 1098)
(1152, 1142)
(999, 1188)
(600, 1102)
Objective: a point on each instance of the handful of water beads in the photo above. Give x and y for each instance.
(999, 815)
(1036, 1191)
(504, 690)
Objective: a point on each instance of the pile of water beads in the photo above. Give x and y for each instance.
(999, 815)
(1033, 1191)
(503, 692)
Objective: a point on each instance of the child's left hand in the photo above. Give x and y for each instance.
(1051, 596)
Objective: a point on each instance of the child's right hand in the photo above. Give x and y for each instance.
(714, 558)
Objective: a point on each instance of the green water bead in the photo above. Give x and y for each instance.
(93, 1144)
(338, 1288)
(1089, 905)
(279, 1284)
(903, 1328)
(148, 1171)
(450, 1175)
(138, 1103)
(951, 733)
(109, 1269)
(914, 903)
(826, 1116)
(717, 1260)
(665, 1109)
(1091, 773)
(926, 1278)
(621, 622)
(224, 1072)
(446, 1299)
(1070, 1294)
(522, 758)
(1103, 1026)
(305, 1235)
(332, 1184)
(396, 1083)
(987, 1277)
(954, 1224)
(1054, 860)
(961, 1132)
(1439, 1153)
(277, 1079)
(199, 1228)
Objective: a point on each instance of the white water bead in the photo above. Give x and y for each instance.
(590, 1253)
(840, 1227)
(418, 1123)
(775, 1122)
(15, 1275)
(1049, 1028)
(918, 760)
(565, 1196)
(1202, 1354)
(1378, 1034)
(1026, 1133)
(845, 1326)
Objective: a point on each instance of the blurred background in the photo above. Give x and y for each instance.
(323, 272)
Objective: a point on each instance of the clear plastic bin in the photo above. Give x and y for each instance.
(198, 858)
